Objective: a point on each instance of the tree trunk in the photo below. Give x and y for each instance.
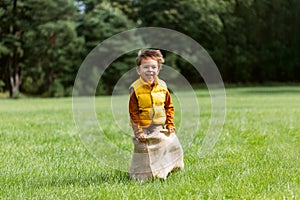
(13, 74)
(13, 71)
(15, 82)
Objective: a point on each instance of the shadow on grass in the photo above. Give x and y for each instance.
(111, 177)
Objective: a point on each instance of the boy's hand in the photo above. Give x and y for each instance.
(142, 137)
(140, 134)
(165, 131)
(171, 130)
(168, 132)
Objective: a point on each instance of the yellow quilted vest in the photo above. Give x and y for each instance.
(151, 101)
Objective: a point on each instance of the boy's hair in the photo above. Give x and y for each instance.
(150, 53)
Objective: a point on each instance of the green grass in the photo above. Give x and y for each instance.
(256, 156)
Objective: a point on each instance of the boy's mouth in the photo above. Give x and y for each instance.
(150, 74)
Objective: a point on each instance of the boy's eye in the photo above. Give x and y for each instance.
(149, 66)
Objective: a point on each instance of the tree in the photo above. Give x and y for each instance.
(41, 43)
(12, 16)
(259, 37)
(98, 23)
(54, 47)
(192, 18)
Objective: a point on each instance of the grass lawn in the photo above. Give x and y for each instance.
(257, 155)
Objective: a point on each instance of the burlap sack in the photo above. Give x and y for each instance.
(156, 157)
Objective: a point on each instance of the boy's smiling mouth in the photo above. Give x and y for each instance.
(149, 74)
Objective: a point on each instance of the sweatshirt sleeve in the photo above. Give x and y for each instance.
(169, 112)
(134, 113)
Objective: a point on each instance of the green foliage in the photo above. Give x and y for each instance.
(250, 41)
(99, 22)
(43, 43)
(258, 39)
(54, 47)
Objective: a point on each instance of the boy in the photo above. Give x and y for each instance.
(150, 109)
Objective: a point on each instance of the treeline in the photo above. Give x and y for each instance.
(43, 42)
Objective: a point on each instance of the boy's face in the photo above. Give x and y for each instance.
(148, 70)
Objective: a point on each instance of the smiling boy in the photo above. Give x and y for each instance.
(150, 101)
(156, 153)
